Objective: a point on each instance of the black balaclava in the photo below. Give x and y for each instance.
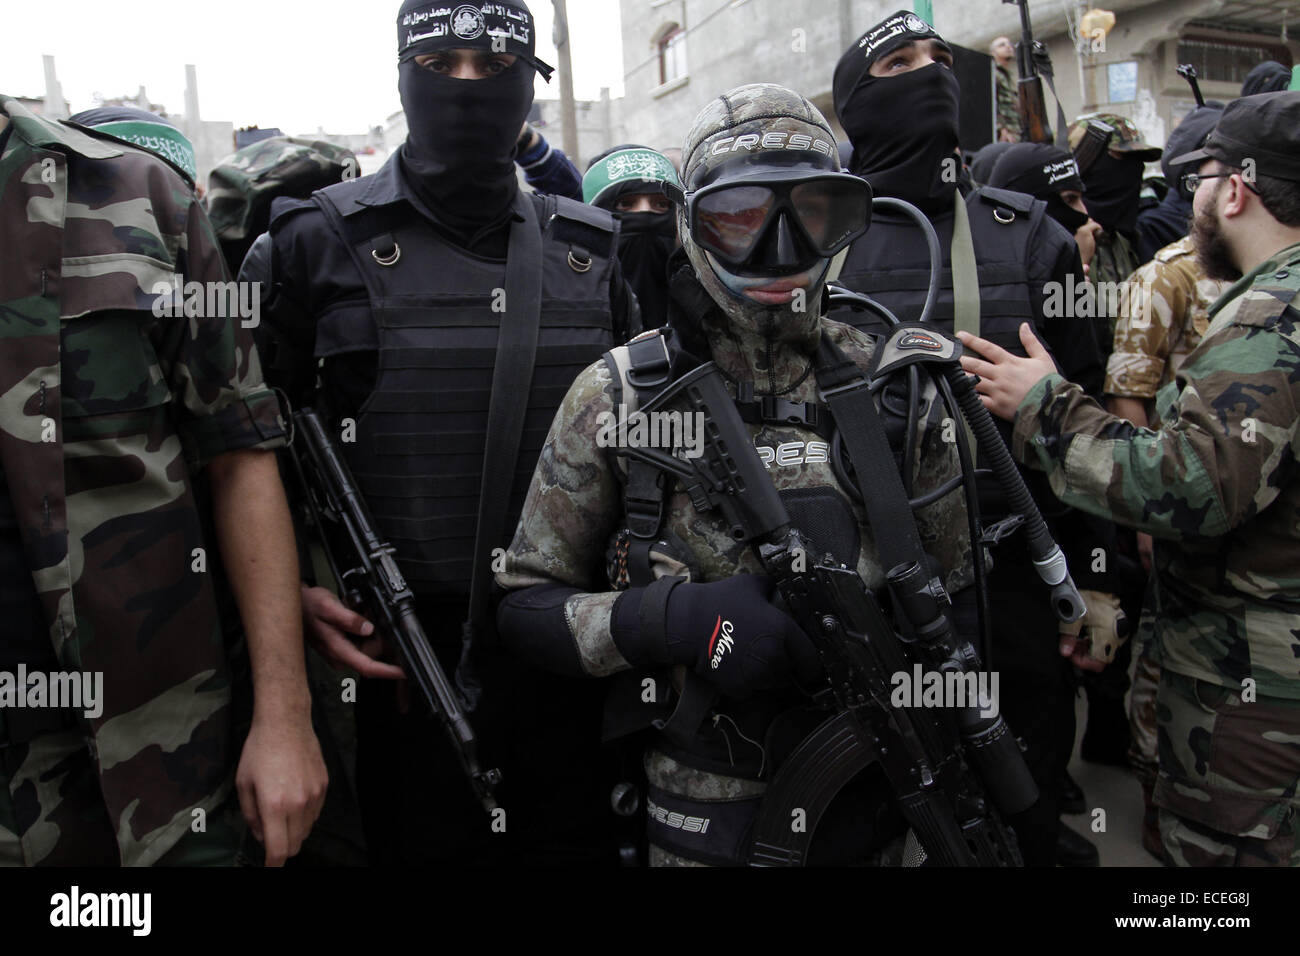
(902, 127)
(646, 240)
(459, 154)
(1114, 185)
(1268, 77)
(1043, 171)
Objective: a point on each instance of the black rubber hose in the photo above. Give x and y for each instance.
(1049, 562)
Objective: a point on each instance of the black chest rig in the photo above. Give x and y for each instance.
(418, 453)
(891, 265)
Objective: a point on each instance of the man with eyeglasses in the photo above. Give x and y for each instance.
(1217, 485)
(613, 571)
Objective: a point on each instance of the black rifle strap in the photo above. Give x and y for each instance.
(844, 387)
(1044, 63)
(511, 386)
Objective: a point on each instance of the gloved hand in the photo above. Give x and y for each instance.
(728, 632)
(1091, 641)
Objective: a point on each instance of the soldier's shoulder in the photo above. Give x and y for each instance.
(1179, 249)
(858, 345)
(1272, 300)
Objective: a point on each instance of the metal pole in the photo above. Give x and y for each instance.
(568, 112)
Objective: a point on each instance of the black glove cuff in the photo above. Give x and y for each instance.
(638, 622)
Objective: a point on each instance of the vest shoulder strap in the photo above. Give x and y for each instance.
(592, 228)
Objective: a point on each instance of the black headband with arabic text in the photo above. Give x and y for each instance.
(495, 27)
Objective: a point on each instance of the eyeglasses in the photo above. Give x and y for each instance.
(1192, 181)
(730, 218)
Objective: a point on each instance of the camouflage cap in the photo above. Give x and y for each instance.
(241, 188)
(1125, 139)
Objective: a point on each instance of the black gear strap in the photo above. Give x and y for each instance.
(845, 388)
(511, 377)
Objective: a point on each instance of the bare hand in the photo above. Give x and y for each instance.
(281, 783)
(1076, 649)
(1145, 546)
(327, 623)
(1006, 379)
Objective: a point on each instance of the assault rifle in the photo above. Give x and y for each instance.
(1188, 72)
(1033, 63)
(955, 771)
(369, 580)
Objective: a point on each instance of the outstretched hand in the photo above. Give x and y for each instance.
(1005, 379)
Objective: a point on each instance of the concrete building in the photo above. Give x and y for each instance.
(679, 54)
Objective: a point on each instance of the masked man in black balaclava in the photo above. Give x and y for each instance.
(640, 186)
(1048, 173)
(1114, 179)
(897, 98)
(388, 298)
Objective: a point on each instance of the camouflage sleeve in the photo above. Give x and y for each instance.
(1226, 450)
(573, 503)
(1157, 300)
(209, 360)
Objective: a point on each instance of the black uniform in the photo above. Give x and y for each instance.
(406, 351)
(1018, 250)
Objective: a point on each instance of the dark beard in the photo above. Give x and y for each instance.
(1212, 252)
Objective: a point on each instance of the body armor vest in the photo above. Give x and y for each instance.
(891, 265)
(420, 436)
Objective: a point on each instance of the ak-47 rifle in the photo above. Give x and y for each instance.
(1033, 64)
(369, 580)
(955, 772)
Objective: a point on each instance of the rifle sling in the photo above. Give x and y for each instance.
(511, 385)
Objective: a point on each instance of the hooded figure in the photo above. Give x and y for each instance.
(1268, 77)
(902, 127)
(767, 207)
(640, 186)
(459, 154)
(1159, 226)
(1005, 261)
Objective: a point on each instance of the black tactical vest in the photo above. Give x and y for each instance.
(418, 453)
(891, 265)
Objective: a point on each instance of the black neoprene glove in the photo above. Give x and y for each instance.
(728, 632)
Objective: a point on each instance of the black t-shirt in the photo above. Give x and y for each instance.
(24, 636)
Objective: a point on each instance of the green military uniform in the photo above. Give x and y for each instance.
(1155, 333)
(108, 411)
(1008, 106)
(1217, 487)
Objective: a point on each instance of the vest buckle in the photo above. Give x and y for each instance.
(998, 213)
(577, 264)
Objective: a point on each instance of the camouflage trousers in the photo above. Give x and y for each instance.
(1229, 769)
(1143, 747)
(52, 812)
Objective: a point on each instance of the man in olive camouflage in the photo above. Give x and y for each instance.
(1218, 486)
(117, 422)
(571, 610)
(1008, 119)
(1114, 182)
(1160, 324)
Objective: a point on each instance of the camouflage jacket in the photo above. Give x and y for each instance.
(1157, 330)
(575, 503)
(1217, 484)
(1008, 104)
(107, 412)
